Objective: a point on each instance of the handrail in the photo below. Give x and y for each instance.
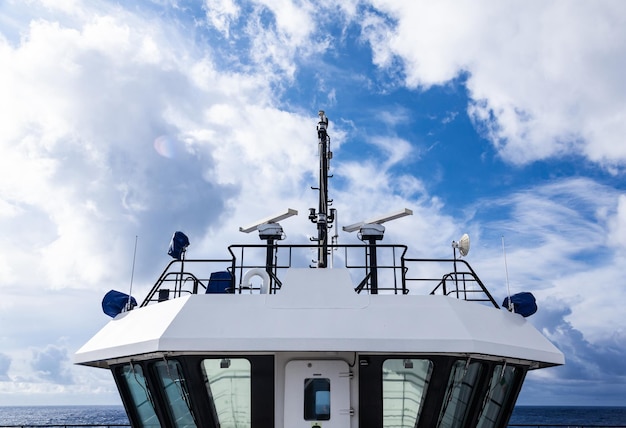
(181, 277)
(459, 279)
(393, 273)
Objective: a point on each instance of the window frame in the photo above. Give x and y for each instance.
(370, 388)
(262, 388)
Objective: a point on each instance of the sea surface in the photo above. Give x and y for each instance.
(63, 415)
(546, 416)
(573, 416)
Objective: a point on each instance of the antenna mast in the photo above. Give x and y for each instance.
(132, 276)
(324, 216)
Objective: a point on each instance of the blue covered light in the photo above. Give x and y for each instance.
(178, 244)
(220, 283)
(114, 302)
(524, 303)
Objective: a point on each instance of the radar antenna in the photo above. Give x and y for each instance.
(323, 217)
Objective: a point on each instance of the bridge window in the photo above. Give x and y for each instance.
(504, 381)
(405, 382)
(459, 393)
(227, 381)
(173, 382)
(131, 375)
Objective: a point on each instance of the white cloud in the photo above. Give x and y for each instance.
(91, 387)
(51, 364)
(545, 78)
(396, 149)
(558, 246)
(221, 14)
(617, 224)
(293, 20)
(86, 104)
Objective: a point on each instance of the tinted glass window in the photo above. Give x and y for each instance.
(405, 382)
(503, 382)
(459, 393)
(228, 384)
(170, 374)
(132, 376)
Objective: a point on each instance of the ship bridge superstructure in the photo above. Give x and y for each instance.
(318, 335)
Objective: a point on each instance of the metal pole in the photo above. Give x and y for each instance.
(373, 267)
(132, 275)
(324, 217)
(322, 212)
(269, 262)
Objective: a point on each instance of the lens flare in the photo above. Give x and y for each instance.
(166, 146)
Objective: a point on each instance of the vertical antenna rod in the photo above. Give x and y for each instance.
(506, 271)
(322, 218)
(132, 275)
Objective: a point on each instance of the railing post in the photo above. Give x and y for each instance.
(373, 267)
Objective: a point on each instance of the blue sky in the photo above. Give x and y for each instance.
(492, 118)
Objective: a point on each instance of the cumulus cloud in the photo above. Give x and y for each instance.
(544, 78)
(51, 364)
(593, 373)
(599, 360)
(86, 119)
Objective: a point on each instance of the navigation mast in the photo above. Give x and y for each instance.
(324, 217)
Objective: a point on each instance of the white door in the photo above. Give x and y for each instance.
(317, 394)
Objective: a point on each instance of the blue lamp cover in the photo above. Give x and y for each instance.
(177, 245)
(114, 302)
(524, 303)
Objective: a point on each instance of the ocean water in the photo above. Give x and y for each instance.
(546, 416)
(573, 416)
(63, 415)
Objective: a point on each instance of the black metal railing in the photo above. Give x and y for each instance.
(181, 277)
(461, 282)
(393, 273)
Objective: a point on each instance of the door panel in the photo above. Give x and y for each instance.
(317, 394)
